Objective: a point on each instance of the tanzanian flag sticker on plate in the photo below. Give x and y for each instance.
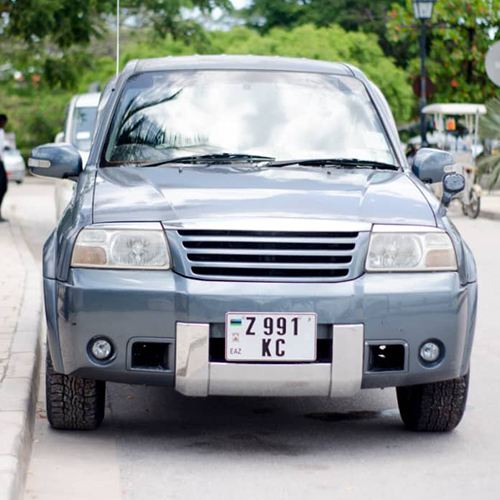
(236, 322)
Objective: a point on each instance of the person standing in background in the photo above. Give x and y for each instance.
(3, 173)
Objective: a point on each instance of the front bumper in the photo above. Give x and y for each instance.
(196, 376)
(188, 313)
(16, 175)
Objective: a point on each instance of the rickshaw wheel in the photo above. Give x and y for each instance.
(475, 204)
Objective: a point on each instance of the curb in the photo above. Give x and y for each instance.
(19, 390)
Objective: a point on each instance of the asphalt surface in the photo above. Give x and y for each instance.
(156, 444)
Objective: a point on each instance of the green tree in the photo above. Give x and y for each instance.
(460, 35)
(68, 22)
(164, 17)
(34, 116)
(352, 15)
(63, 23)
(51, 36)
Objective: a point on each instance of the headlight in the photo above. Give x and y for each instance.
(409, 249)
(136, 246)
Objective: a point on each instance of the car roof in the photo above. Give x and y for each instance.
(233, 62)
(90, 100)
(455, 109)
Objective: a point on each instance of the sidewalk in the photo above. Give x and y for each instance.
(20, 313)
(490, 205)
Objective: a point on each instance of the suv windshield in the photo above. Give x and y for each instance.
(283, 115)
(83, 125)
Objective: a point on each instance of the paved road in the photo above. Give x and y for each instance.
(157, 444)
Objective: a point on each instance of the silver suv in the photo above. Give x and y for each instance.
(250, 226)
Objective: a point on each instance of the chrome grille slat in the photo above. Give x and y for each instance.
(269, 265)
(295, 257)
(235, 251)
(246, 239)
(268, 255)
(259, 245)
(187, 233)
(269, 273)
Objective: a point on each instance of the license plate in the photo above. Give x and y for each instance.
(274, 337)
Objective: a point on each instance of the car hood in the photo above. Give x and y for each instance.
(226, 195)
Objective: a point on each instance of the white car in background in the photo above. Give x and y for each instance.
(14, 163)
(78, 130)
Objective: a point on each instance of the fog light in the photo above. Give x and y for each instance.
(430, 352)
(101, 349)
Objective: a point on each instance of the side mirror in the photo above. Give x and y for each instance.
(59, 137)
(55, 160)
(453, 183)
(429, 165)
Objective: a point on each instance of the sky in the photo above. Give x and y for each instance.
(238, 4)
(217, 18)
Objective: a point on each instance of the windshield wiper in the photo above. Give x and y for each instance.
(216, 158)
(336, 162)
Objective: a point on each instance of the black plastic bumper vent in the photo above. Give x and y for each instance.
(151, 356)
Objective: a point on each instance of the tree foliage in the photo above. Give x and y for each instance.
(61, 22)
(165, 18)
(352, 15)
(68, 22)
(459, 38)
(49, 37)
(35, 116)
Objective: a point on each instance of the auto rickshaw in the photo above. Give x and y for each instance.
(463, 144)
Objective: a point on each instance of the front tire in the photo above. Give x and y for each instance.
(434, 407)
(73, 403)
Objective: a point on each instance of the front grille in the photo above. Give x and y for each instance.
(268, 255)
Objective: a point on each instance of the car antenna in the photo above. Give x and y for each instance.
(117, 36)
